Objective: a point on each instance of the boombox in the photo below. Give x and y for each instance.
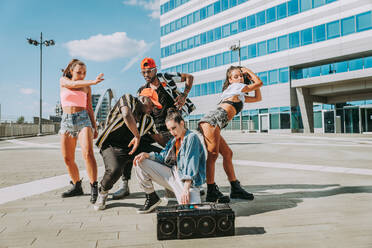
(195, 221)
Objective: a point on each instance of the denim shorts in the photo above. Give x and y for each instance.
(74, 123)
(216, 117)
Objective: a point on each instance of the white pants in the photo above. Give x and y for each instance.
(149, 170)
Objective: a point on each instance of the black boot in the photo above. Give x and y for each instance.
(74, 191)
(238, 192)
(214, 194)
(123, 191)
(93, 192)
(152, 201)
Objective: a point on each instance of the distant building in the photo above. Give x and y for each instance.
(104, 108)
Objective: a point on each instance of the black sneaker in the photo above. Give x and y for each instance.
(74, 191)
(237, 192)
(93, 192)
(123, 191)
(214, 194)
(152, 201)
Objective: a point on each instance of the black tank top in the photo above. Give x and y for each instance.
(237, 105)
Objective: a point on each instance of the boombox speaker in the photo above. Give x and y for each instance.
(195, 221)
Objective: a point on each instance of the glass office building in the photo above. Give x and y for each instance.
(313, 56)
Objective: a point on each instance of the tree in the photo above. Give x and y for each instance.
(21, 120)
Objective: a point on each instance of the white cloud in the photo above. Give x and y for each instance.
(106, 47)
(152, 5)
(137, 58)
(27, 91)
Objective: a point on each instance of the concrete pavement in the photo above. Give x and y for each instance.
(311, 191)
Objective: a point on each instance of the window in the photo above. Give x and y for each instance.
(263, 77)
(271, 14)
(292, 7)
(251, 22)
(318, 119)
(184, 68)
(204, 89)
(172, 26)
(225, 30)
(305, 5)
(197, 41)
(210, 11)
(252, 51)
(261, 47)
(306, 36)
(283, 75)
(319, 33)
(294, 40)
(226, 58)
(173, 49)
(189, 21)
(314, 71)
(281, 11)
(203, 13)
(368, 62)
(204, 64)
(211, 62)
(364, 21)
(203, 38)
(197, 65)
(242, 25)
(219, 59)
(274, 121)
(356, 64)
(233, 3)
(217, 7)
(178, 68)
(184, 45)
(347, 26)
(325, 69)
(234, 28)
(225, 4)
(333, 29)
(184, 21)
(178, 24)
(179, 47)
(283, 43)
(217, 33)
(273, 77)
(244, 53)
(219, 86)
(211, 88)
(318, 3)
(235, 56)
(271, 46)
(341, 67)
(285, 122)
(196, 16)
(190, 42)
(191, 67)
(261, 18)
(197, 90)
(210, 36)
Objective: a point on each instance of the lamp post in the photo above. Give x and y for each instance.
(41, 43)
(237, 48)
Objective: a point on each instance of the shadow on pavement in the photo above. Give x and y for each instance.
(241, 231)
(265, 202)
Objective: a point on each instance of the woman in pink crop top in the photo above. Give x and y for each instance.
(78, 124)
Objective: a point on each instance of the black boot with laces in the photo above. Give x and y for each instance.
(93, 192)
(238, 192)
(214, 194)
(74, 191)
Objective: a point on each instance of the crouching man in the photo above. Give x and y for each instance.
(179, 167)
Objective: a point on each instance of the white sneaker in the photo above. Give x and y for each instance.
(101, 201)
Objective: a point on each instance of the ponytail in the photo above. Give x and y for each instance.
(70, 67)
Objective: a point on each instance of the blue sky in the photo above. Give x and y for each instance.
(110, 36)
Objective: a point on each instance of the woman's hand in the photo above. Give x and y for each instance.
(185, 197)
(140, 157)
(99, 78)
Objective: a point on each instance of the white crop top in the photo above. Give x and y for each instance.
(233, 90)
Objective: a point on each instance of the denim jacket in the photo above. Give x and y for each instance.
(190, 159)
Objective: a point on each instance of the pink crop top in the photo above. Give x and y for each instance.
(73, 98)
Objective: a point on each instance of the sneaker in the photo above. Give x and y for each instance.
(202, 192)
(152, 201)
(101, 201)
(123, 191)
(74, 191)
(93, 192)
(214, 194)
(237, 192)
(169, 195)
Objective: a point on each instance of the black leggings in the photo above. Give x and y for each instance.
(118, 162)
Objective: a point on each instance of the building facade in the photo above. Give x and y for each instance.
(314, 57)
(104, 109)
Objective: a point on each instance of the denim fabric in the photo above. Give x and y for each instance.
(216, 117)
(190, 160)
(74, 123)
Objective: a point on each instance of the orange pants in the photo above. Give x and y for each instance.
(216, 144)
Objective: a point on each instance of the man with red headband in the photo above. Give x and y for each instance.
(120, 140)
(169, 96)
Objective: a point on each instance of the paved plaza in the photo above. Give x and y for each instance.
(311, 191)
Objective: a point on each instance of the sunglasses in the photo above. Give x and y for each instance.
(149, 71)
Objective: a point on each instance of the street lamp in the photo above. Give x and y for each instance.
(237, 48)
(41, 43)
